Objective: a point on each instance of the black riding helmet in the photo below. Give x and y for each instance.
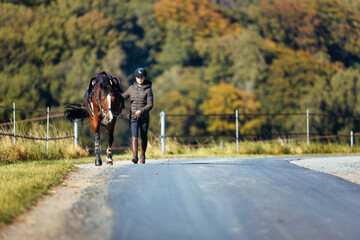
(140, 72)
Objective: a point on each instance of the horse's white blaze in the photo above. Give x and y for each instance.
(109, 104)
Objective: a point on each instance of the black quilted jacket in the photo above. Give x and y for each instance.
(141, 98)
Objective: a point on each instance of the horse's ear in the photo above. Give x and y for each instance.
(117, 83)
(92, 83)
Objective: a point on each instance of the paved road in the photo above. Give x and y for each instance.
(263, 198)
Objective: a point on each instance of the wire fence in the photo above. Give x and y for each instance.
(36, 138)
(260, 136)
(14, 123)
(54, 115)
(32, 119)
(27, 110)
(297, 136)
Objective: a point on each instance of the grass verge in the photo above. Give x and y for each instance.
(28, 170)
(23, 183)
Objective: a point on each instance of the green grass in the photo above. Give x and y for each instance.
(23, 183)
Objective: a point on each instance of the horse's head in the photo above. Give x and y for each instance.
(110, 97)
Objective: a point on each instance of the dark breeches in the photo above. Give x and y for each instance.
(142, 124)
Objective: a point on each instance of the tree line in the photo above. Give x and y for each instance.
(203, 56)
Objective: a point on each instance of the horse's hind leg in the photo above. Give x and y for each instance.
(110, 135)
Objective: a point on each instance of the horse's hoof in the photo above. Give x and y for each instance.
(135, 160)
(109, 162)
(98, 162)
(142, 159)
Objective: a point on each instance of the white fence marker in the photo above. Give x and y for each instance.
(307, 127)
(162, 122)
(237, 130)
(76, 133)
(14, 123)
(47, 129)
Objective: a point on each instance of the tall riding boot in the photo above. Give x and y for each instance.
(134, 147)
(143, 150)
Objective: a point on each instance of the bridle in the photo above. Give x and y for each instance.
(104, 111)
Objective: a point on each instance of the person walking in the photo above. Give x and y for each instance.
(141, 99)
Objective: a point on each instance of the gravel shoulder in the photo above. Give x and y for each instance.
(346, 167)
(68, 208)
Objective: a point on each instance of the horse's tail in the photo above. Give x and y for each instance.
(75, 111)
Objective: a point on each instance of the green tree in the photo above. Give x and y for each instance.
(113, 61)
(293, 75)
(30, 3)
(236, 59)
(178, 46)
(93, 30)
(249, 65)
(79, 69)
(339, 100)
(217, 57)
(45, 41)
(140, 35)
(25, 88)
(338, 30)
(179, 91)
(14, 23)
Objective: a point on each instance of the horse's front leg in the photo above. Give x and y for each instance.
(110, 135)
(95, 125)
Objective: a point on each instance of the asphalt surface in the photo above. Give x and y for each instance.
(229, 198)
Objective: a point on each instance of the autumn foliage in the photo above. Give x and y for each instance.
(321, 25)
(224, 99)
(203, 17)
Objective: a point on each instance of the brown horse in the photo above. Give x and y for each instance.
(103, 104)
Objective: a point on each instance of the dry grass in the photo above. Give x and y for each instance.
(26, 149)
(271, 148)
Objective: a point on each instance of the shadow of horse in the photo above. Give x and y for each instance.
(103, 104)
